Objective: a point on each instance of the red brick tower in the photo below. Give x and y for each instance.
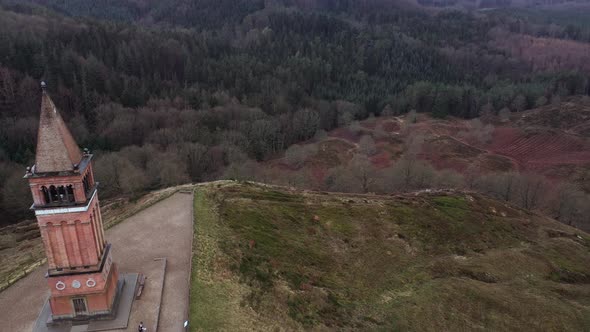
(82, 276)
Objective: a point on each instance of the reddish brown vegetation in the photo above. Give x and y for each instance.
(332, 152)
(450, 127)
(527, 144)
(346, 134)
(572, 116)
(540, 150)
(319, 174)
(390, 126)
(370, 124)
(381, 160)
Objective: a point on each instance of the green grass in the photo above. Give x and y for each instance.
(209, 300)
(215, 295)
(428, 263)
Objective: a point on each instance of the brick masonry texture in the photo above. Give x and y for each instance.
(74, 241)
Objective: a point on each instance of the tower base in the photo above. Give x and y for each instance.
(118, 320)
(83, 295)
(100, 315)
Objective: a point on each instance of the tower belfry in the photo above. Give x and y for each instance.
(81, 275)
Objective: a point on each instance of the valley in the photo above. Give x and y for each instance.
(295, 165)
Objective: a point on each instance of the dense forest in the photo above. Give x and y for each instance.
(176, 91)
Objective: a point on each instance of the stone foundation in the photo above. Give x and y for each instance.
(87, 295)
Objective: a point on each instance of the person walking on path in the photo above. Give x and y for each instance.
(141, 328)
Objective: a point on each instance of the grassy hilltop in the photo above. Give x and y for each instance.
(269, 258)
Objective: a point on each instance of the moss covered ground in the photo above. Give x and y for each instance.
(267, 258)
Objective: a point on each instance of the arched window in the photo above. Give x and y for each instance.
(70, 193)
(53, 195)
(86, 184)
(61, 191)
(45, 193)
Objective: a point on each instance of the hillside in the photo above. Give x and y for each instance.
(268, 257)
(551, 140)
(178, 91)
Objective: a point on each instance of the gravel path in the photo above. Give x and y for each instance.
(162, 230)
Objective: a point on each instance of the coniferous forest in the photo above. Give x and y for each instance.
(168, 92)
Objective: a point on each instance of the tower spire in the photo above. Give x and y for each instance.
(57, 151)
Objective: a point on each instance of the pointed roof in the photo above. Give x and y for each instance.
(57, 151)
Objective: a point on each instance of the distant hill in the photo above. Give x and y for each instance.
(176, 91)
(270, 258)
(202, 13)
(546, 150)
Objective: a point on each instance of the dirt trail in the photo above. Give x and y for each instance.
(162, 230)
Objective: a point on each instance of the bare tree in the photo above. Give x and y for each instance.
(320, 135)
(408, 174)
(487, 112)
(3, 157)
(387, 111)
(413, 145)
(139, 156)
(133, 179)
(300, 179)
(7, 88)
(424, 176)
(295, 156)
(345, 119)
(243, 171)
(167, 169)
(341, 179)
(16, 195)
(363, 170)
(470, 175)
(530, 190)
(196, 160)
(355, 127)
(569, 203)
(499, 185)
(119, 175)
(448, 179)
(482, 133)
(403, 173)
(504, 114)
(506, 185)
(412, 116)
(347, 112)
(305, 123)
(519, 103)
(555, 100)
(231, 154)
(79, 129)
(359, 175)
(367, 145)
(541, 101)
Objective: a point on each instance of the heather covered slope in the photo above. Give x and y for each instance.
(267, 257)
(552, 140)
